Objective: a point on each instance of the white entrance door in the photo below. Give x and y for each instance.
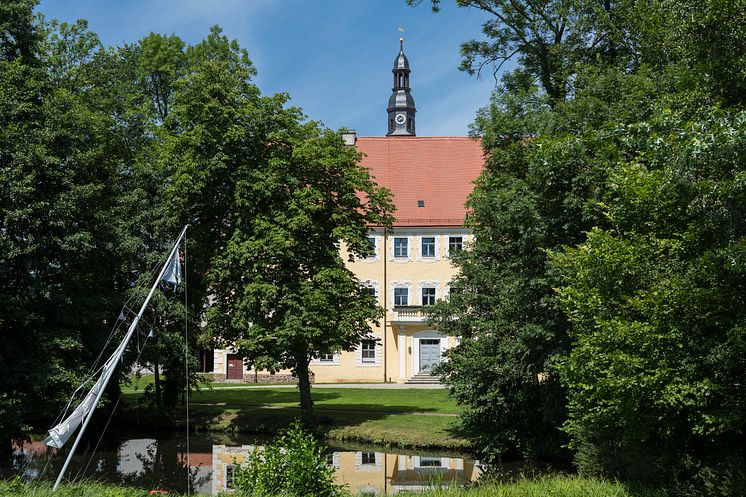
(429, 354)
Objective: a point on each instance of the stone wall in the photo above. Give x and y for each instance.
(262, 378)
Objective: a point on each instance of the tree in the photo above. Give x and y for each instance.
(283, 294)
(549, 39)
(19, 35)
(656, 302)
(269, 197)
(56, 232)
(541, 189)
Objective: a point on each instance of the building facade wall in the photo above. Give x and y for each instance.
(398, 338)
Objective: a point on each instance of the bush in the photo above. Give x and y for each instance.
(293, 466)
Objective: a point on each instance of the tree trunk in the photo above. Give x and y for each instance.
(157, 385)
(304, 385)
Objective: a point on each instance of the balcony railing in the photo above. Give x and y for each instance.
(411, 313)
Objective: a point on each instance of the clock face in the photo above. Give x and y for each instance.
(400, 119)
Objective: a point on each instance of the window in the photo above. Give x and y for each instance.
(401, 247)
(428, 296)
(372, 242)
(430, 462)
(401, 297)
(455, 290)
(369, 290)
(428, 246)
(368, 351)
(368, 458)
(230, 477)
(326, 357)
(455, 244)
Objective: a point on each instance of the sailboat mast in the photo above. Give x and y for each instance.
(116, 356)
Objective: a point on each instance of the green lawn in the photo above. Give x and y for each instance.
(380, 400)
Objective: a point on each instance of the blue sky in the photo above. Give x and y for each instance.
(333, 57)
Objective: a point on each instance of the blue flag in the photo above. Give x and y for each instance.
(173, 273)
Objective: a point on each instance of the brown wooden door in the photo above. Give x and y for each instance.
(235, 367)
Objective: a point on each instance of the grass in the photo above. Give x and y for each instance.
(365, 399)
(352, 399)
(548, 486)
(411, 418)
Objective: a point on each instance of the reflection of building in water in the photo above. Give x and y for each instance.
(366, 473)
(148, 462)
(224, 462)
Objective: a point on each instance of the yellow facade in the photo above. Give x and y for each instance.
(406, 267)
(417, 274)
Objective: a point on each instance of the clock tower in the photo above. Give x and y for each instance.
(401, 107)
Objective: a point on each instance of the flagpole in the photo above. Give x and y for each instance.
(108, 372)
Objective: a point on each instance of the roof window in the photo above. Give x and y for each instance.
(420, 203)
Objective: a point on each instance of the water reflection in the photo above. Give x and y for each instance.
(366, 472)
(161, 463)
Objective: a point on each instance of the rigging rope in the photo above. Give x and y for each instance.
(111, 416)
(186, 362)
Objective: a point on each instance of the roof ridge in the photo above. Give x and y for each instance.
(410, 138)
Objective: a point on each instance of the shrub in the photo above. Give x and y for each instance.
(293, 465)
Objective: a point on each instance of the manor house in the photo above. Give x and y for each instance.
(430, 179)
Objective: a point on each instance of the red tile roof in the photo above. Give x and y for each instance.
(437, 170)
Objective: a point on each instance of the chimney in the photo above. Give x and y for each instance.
(349, 137)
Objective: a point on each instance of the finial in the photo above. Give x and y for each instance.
(401, 43)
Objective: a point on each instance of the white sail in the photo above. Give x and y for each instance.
(60, 434)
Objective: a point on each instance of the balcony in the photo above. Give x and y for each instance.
(410, 314)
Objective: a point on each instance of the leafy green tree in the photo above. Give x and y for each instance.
(549, 39)
(541, 189)
(146, 74)
(269, 198)
(19, 36)
(56, 233)
(550, 157)
(656, 302)
(283, 293)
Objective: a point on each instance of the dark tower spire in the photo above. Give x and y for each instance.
(401, 107)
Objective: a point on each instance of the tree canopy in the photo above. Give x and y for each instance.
(600, 306)
(105, 152)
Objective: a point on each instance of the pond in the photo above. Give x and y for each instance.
(161, 463)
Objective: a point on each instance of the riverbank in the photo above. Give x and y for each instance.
(554, 486)
(406, 418)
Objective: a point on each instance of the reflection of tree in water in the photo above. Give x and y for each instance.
(163, 465)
